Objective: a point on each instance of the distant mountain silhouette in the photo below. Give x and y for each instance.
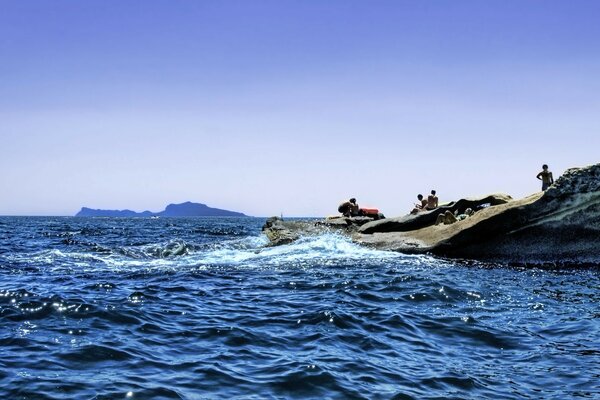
(187, 209)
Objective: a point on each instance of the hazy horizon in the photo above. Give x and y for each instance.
(270, 107)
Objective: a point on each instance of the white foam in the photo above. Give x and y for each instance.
(324, 247)
(247, 252)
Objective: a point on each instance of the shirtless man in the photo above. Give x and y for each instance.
(349, 208)
(420, 206)
(546, 177)
(432, 201)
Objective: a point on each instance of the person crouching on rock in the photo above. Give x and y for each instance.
(349, 208)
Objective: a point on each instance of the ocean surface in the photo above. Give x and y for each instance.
(199, 308)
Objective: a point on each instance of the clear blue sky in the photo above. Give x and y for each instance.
(279, 106)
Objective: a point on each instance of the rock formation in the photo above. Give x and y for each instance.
(426, 218)
(280, 232)
(559, 226)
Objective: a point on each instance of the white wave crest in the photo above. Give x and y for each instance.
(248, 252)
(325, 248)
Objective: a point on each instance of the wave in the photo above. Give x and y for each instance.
(177, 254)
(253, 252)
(161, 250)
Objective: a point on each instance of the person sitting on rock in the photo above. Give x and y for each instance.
(468, 212)
(420, 206)
(432, 201)
(546, 177)
(448, 218)
(349, 208)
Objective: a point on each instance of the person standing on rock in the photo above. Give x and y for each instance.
(546, 177)
(432, 201)
(349, 208)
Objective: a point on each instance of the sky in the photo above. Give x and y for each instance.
(290, 107)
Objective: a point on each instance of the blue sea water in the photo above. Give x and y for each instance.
(199, 308)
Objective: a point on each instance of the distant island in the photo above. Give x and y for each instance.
(187, 209)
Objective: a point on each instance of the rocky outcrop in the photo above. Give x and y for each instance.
(428, 238)
(559, 226)
(281, 232)
(563, 225)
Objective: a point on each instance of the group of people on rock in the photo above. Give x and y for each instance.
(431, 203)
(446, 218)
(351, 209)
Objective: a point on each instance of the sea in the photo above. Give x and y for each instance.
(202, 308)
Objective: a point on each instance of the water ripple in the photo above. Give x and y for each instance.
(195, 308)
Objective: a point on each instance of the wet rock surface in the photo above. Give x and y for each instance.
(280, 231)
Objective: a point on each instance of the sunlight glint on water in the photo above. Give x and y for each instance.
(195, 308)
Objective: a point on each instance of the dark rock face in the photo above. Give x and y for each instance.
(426, 218)
(187, 209)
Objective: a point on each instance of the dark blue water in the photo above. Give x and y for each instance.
(199, 308)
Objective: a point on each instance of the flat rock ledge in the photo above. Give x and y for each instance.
(559, 226)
